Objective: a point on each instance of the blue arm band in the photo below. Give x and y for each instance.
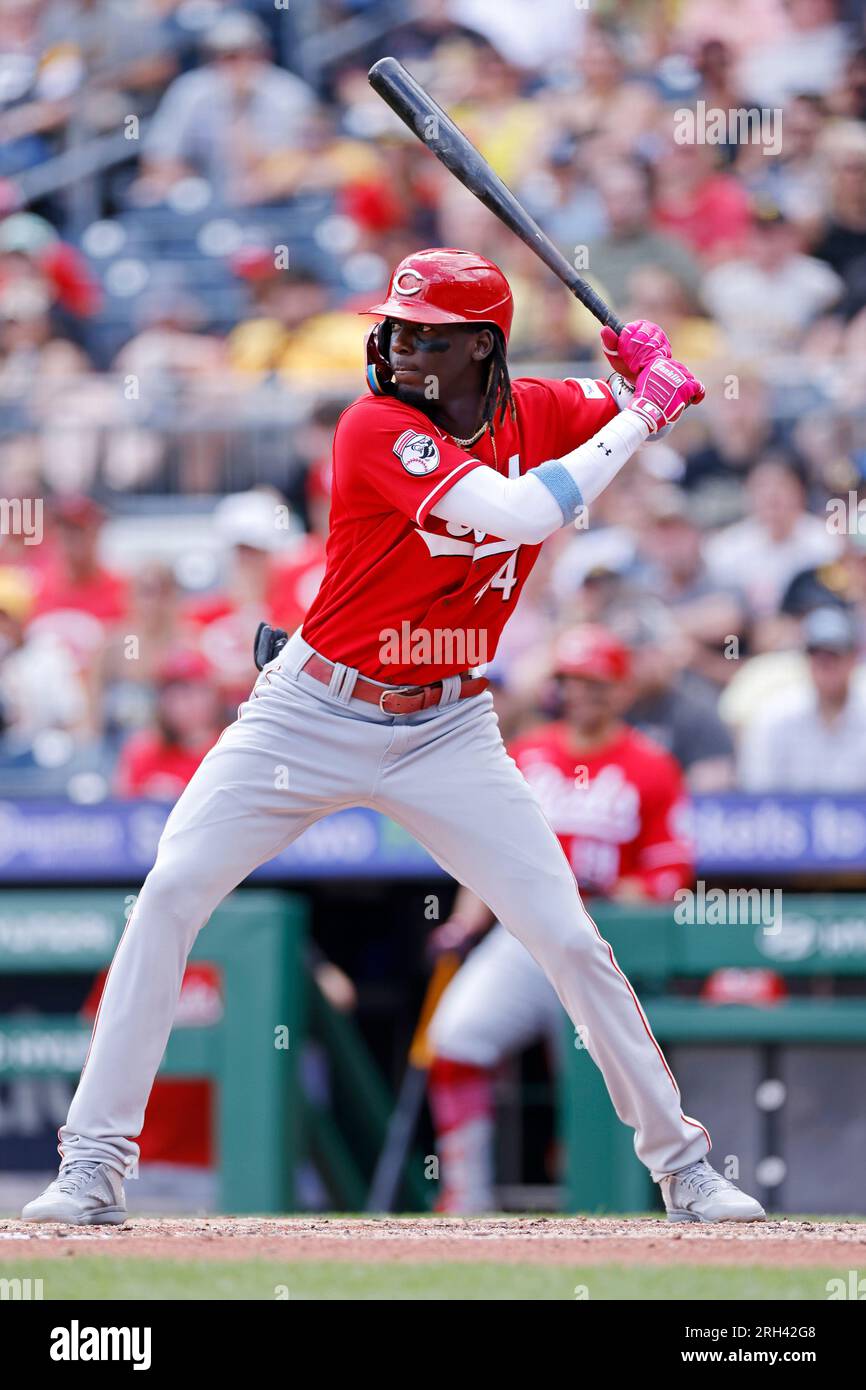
(562, 488)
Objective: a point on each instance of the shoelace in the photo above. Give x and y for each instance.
(75, 1175)
(704, 1180)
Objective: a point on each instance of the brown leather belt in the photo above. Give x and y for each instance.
(394, 699)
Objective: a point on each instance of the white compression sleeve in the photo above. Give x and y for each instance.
(531, 508)
(517, 509)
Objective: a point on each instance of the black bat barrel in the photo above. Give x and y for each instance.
(417, 109)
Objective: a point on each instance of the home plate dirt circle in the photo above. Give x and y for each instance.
(520, 1240)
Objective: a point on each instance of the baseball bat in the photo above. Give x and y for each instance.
(404, 1117)
(451, 147)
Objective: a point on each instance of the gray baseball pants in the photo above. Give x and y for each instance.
(298, 751)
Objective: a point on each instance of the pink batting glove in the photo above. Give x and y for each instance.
(639, 344)
(662, 392)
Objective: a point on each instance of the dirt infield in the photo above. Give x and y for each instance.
(509, 1240)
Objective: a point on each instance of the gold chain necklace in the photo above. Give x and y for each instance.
(473, 439)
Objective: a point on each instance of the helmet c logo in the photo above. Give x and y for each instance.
(402, 288)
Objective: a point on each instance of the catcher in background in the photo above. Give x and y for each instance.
(617, 802)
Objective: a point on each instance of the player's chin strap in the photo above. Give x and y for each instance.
(379, 378)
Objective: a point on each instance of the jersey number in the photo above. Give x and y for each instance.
(506, 577)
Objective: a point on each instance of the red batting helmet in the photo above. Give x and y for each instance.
(447, 286)
(592, 652)
(438, 286)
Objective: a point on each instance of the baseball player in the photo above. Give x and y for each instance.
(616, 801)
(447, 479)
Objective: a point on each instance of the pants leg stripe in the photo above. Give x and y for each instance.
(686, 1118)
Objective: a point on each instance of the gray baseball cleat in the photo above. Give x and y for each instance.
(699, 1193)
(83, 1194)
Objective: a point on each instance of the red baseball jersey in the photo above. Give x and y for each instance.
(408, 598)
(619, 812)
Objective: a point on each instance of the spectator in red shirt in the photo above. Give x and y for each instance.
(707, 210)
(263, 548)
(30, 247)
(76, 578)
(159, 762)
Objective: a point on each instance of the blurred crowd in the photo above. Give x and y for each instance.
(195, 201)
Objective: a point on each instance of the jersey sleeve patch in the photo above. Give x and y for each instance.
(418, 453)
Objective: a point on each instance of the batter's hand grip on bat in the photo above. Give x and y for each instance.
(417, 109)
